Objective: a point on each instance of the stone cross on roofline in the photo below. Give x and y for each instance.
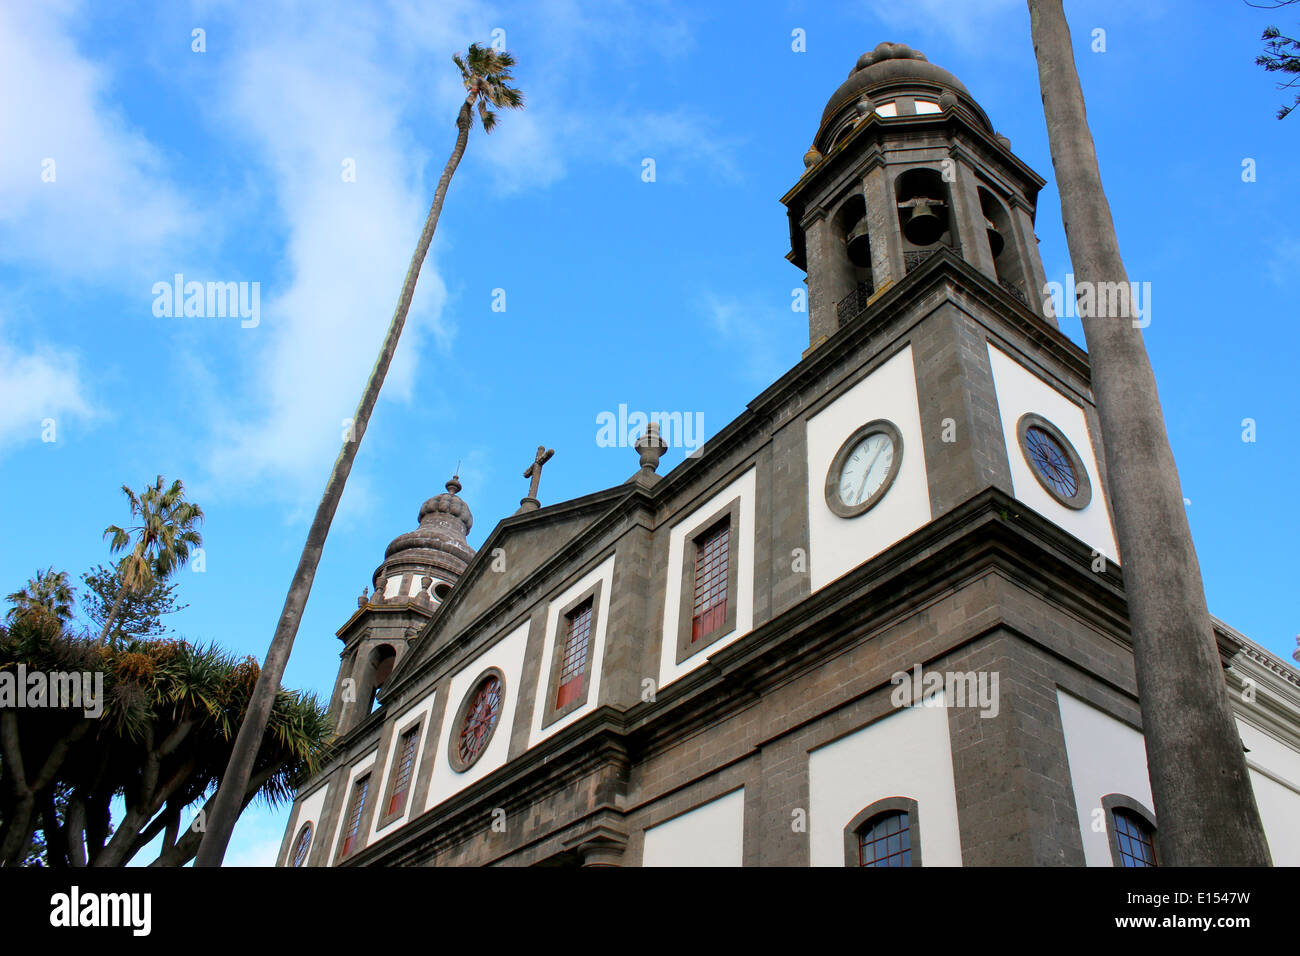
(534, 471)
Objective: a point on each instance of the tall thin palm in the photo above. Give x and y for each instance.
(49, 592)
(166, 531)
(486, 76)
(1199, 781)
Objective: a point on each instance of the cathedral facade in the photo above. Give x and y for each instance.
(877, 620)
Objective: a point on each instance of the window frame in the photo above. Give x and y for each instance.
(358, 811)
(852, 832)
(416, 726)
(1120, 801)
(686, 602)
(453, 737)
(551, 713)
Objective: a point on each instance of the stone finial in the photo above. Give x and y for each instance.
(364, 599)
(863, 106)
(947, 100)
(652, 447)
(812, 157)
(1003, 141)
(380, 587)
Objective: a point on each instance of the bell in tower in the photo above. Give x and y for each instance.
(904, 165)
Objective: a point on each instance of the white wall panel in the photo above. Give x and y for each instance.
(709, 835)
(1019, 391)
(838, 545)
(744, 487)
(907, 754)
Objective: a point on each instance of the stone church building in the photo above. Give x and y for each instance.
(876, 620)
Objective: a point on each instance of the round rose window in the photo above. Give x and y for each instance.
(1051, 461)
(478, 719)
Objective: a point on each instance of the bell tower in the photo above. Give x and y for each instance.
(905, 163)
(419, 570)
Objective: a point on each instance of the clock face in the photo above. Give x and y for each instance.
(864, 468)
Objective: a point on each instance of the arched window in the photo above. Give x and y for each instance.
(923, 204)
(302, 845)
(378, 668)
(887, 833)
(1007, 266)
(1131, 828)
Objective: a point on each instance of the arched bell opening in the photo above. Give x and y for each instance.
(1008, 265)
(379, 666)
(924, 213)
(850, 225)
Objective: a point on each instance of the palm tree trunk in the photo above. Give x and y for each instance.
(113, 612)
(227, 805)
(1200, 784)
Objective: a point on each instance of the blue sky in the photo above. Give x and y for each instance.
(226, 165)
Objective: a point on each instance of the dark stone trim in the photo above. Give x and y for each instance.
(887, 805)
(551, 713)
(690, 549)
(1119, 801)
(403, 729)
(832, 489)
(1083, 493)
(453, 751)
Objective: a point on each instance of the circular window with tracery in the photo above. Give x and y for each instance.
(477, 719)
(302, 845)
(1054, 461)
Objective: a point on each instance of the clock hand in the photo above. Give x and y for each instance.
(857, 499)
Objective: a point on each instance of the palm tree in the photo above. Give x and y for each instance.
(163, 539)
(49, 592)
(486, 76)
(1199, 781)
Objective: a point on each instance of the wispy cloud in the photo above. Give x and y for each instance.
(82, 193)
(350, 187)
(35, 385)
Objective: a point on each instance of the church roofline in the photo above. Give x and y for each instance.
(599, 503)
(893, 305)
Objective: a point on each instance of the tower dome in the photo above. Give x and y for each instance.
(877, 82)
(428, 560)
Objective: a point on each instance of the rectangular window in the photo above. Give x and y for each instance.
(356, 806)
(709, 576)
(572, 643)
(712, 560)
(577, 645)
(402, 771)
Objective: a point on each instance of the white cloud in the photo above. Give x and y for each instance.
(109, 211)
(309, 95)
(968, 23)
(44, 383)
